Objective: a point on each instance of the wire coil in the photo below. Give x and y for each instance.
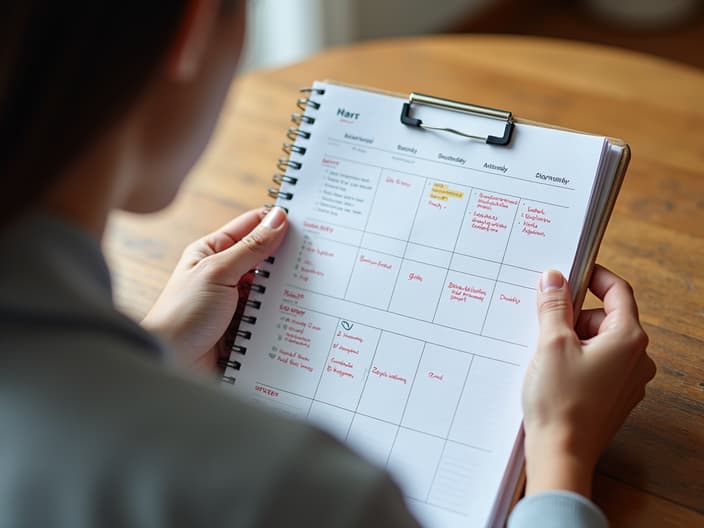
(285, 165)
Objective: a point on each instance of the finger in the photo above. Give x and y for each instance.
(646, 368)
(616, 293)
(635, 396)
(555, 312)
(221, 239)
(234, 231)
(228, 266)
(622, 409)
(642, 373)
(588, 322)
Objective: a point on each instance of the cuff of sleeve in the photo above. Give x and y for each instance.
(552, 509)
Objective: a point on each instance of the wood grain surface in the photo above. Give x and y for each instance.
(653, 472)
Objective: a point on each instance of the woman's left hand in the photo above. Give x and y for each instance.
(200, 298)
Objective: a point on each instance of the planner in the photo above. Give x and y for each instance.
(400, 312)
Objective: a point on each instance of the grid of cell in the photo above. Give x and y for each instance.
(453, 255)
(410, 406)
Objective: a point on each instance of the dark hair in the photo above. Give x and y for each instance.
(68, 70)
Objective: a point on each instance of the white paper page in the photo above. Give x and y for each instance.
(400, 311)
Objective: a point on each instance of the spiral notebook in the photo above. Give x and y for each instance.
(399, 314)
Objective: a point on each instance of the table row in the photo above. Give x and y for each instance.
(445, 296)
(403, 381)
(356, 199)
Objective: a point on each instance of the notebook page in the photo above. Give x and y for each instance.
(400, 310)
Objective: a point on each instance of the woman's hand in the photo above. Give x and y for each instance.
(582, 382)
(197, 304)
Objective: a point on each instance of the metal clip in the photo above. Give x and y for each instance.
(457, 106)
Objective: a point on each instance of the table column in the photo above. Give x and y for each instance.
(343, 377)
(346, 192)
(427, 418)
(293, 355)
(379, 257)
(475, 265)
(390, 378)
(325, 258)
(429, 250)
(537, 229)
(347, 365)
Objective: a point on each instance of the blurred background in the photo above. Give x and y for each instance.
(286, 31)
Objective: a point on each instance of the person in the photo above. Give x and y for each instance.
(107, 106)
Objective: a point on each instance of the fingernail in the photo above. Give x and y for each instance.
(274, 218)
(551, 280)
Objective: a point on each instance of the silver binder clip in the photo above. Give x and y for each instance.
(448, 104)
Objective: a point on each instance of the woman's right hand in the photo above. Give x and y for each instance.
(582, 382)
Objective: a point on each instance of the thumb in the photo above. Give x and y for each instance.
(232, 263)
(555, 312)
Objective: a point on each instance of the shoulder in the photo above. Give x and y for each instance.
(114, 427)
(327, 485)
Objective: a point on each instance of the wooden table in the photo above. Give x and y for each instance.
(653, 472)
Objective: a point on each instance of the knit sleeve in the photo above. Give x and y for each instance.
(553, 509)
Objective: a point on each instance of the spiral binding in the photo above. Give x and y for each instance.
(285, 165)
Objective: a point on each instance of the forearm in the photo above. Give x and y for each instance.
(552, 464)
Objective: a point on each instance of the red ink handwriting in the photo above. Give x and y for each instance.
(266, 390)
(375, 262)
(510, 298)
(392, 376)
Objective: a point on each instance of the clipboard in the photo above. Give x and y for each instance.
(600, 208)
(584, 264)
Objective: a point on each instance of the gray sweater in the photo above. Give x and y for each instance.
(97, 431)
